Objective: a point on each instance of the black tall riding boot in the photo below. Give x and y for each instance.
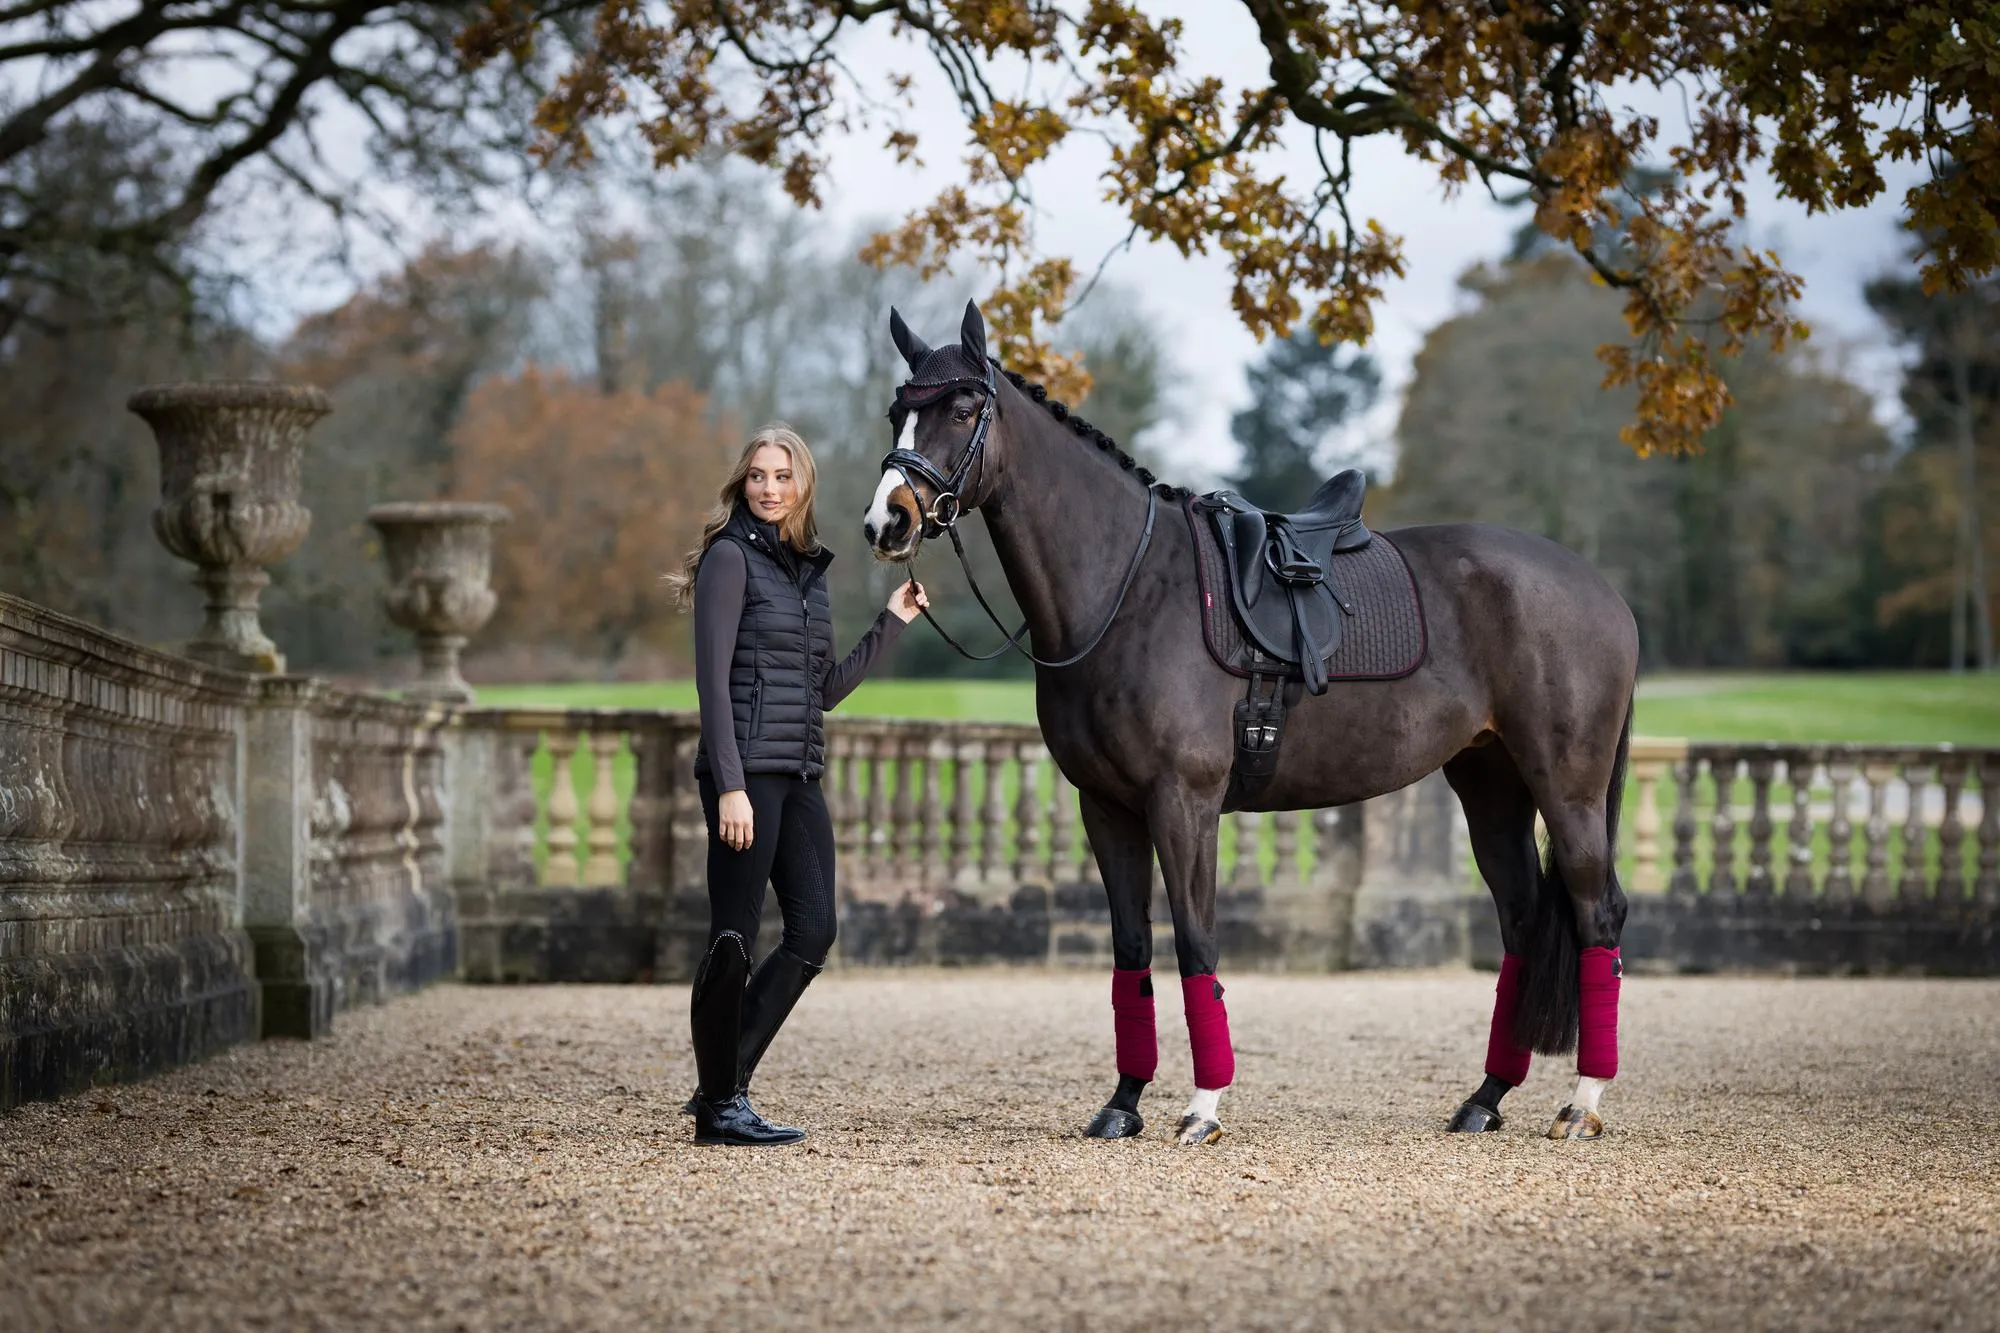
(779, 982)
(773, 991)
(722, 1114)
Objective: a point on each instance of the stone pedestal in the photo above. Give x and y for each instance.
(296, 970)
(229, 499)
(440, 556)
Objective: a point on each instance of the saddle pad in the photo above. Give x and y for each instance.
(1383, 640)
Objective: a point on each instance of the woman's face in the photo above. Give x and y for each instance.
(769, 489)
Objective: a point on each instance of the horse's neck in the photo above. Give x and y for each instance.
(1064, 527)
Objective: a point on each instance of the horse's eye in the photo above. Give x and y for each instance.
(961, 414)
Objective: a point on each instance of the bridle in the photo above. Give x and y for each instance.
(946, 509)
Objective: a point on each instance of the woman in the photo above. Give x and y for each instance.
(764, 671)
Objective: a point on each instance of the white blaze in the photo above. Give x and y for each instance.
(879, 515)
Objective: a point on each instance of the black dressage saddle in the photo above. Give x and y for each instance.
(1281, 571)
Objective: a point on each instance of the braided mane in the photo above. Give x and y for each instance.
(1061, 412)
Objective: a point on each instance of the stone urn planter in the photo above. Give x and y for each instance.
(229, 498)
(440, 556)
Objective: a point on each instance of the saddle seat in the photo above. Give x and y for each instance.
(1281, 583)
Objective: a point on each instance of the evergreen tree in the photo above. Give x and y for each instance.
(1300, 391)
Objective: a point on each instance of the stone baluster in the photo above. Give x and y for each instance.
(963, 758)
(1289, 873)
(930, 811)
(1722, 824)
(877, 753)
(1762, 766)
(1245, 876)
(1911, 883)
(1875, 882)
(601, 814)
(1841, 772)
(1799, 770)
(903, 833)
(647, 813)
(1646, 772)
(1952, 772)
(1028, 816)
(561, 867)
(1685, 880)
(849, 835)
(521, 855)
(1986, 886)
(1062, 828)
(993, 817)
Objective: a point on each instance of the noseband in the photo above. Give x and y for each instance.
(946, 506)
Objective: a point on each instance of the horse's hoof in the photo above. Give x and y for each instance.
(1574, 1124)
(1198, 1130)
(1114, 1123)
(1472, 1118)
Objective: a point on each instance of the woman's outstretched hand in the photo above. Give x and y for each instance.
(908, 599)
(733, 813)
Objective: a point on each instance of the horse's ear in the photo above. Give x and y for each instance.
(972, 334)
(909, 344)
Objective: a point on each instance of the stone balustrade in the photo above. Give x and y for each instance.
(1823, 858)
(191, 855)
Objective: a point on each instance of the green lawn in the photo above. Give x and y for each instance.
(1908, 707)
(1917, 708)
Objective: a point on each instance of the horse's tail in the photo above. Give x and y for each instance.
(1546, 1019)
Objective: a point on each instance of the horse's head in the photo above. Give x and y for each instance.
(944, 463)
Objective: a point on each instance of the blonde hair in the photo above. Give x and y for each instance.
(797, 529)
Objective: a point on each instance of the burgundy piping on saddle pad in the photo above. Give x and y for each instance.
(1133, 1024)
(1598, 972)
(1504, 1060)
(1208, 1032)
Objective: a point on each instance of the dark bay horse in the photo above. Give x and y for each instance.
(1524, 700)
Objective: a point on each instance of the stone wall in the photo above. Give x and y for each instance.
(121, 943)
(190, 856)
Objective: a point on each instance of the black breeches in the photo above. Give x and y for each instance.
(791, 848)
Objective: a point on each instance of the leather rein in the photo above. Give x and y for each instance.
(946, 509)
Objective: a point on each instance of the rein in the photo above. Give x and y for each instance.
(1014, 639)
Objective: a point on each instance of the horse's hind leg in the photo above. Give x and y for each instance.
(1571, 979)
(1500, 815)
(1580, 849)
(1125, 861)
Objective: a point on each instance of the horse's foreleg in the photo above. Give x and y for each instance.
(1184, 829)
(1125, 861)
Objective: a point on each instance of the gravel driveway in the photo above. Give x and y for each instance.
(1783, 1154)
